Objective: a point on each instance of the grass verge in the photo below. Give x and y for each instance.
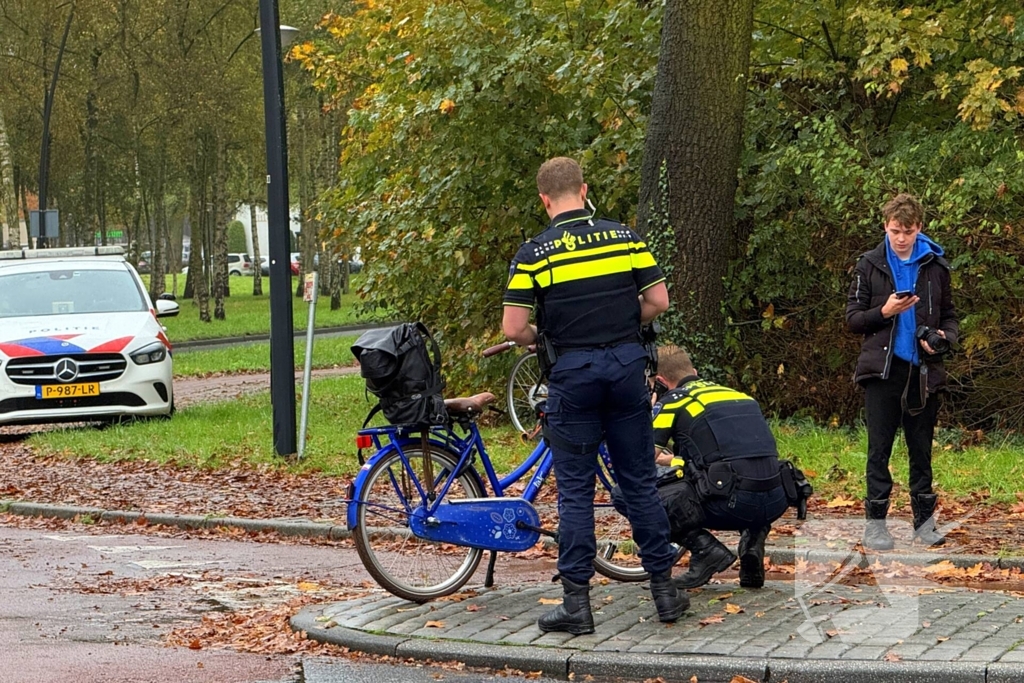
(835, 461)
(216, 434)
(327, 353)
(246, 314)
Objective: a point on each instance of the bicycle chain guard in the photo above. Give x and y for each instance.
(486, 523)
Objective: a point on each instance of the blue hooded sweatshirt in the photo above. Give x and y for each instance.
(905, 275)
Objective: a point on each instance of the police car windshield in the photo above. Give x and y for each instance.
(75, 290)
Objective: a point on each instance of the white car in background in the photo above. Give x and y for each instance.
(79, 338)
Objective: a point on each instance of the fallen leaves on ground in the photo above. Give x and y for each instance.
(550, 601)
(741, 679)
(713, 619)
(732, 609)
(840, 502)
(260, 630)
(435, 624)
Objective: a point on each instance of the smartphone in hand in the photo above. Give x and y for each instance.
(904, 294)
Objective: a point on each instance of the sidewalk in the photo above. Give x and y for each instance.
(800, 632)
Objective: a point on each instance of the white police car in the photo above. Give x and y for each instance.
(79, 338)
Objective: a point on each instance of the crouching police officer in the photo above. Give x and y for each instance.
(592, 282)
(724, 448)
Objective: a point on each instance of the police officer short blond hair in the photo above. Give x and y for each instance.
(674, 363)
(559, 177)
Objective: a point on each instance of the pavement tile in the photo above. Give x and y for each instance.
(809, 632)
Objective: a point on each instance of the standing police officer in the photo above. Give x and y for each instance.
(593, 282)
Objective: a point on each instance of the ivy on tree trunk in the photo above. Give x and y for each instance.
(692, 151)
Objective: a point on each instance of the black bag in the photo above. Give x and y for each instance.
(402, 373)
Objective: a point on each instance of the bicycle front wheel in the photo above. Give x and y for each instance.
(409, 567)
(525, 391)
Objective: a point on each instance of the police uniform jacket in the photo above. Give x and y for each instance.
(584, 277)
(707, 423)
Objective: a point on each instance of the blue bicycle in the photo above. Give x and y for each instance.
(421, 514)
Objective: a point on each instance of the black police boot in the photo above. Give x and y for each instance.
(924, 520)
(876, 536)
(669, 602)
(752, 557)
(707, 557)
(573, 615)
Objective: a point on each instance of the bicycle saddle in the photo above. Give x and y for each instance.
(469, 405)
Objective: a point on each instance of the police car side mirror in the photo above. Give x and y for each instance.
(166, 309)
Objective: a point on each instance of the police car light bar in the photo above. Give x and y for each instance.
(65, 252)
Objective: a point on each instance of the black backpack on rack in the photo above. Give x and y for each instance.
(403, 373)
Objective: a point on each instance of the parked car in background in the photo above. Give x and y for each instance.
(80, 339)
(239, 264)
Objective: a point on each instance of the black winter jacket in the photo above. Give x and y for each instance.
(871, 287)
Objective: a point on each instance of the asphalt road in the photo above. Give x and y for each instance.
(335, 671)
(83, 604)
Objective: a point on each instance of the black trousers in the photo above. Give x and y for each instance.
(885, 415)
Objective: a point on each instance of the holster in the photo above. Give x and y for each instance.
(717, 481)
(798, 489)
(547, 355)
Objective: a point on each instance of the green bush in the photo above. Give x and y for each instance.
(236, 238)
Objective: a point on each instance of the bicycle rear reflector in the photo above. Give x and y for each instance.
(364, 441)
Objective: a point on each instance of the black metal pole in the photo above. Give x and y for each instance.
(44, 152)
(282, 344)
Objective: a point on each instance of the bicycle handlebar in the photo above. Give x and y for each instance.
(498, 348)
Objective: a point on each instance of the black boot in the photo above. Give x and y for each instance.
(923, 506)
(707, 557)
(876, 536)
(573, 615)
(752, 557)
(669, 602)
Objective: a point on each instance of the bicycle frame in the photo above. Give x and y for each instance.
(540, 460)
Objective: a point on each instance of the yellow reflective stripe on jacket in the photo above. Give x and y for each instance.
(718, 395)
(520, 281)
(664, 419)
(643, 259)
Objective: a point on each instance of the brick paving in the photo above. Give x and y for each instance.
(784, 620)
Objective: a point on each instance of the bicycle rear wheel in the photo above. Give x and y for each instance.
(525, 391)
(618, 555)
(409, 567)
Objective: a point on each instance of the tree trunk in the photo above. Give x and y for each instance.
(691, 155)
(24, 209)
(339, 281)
(257, 265)
(8, 194)
(195, 265)
(221, 216)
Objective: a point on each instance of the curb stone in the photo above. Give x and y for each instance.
(285, 527)
(562, 663)
(308, 529)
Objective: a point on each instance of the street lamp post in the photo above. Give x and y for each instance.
(282, 342)
(44, 152)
